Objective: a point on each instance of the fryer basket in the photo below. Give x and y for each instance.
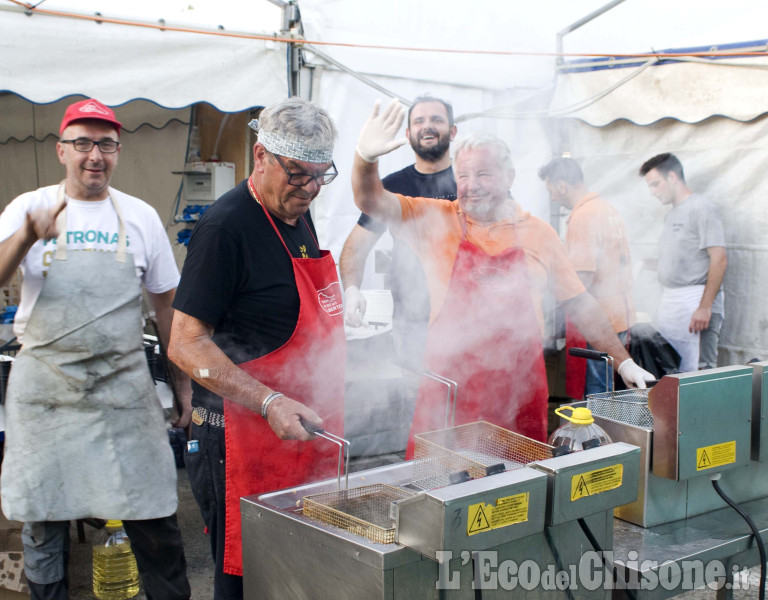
(363, 510)
(625, 406)
(477, 448)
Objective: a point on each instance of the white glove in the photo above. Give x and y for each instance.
(634, 375)
(377, 136)
(354, 308)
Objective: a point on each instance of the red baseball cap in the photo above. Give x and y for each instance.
(89, 109)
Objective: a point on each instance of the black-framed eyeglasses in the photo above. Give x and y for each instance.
(86, 145)
(301, 179)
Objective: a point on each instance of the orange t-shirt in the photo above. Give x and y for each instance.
(596, 242)
(433, 229)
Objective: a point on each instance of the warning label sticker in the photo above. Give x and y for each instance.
(507, 511)
(596, 482)
(715, 456)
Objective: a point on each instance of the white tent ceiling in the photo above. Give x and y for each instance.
(504, 26)
(44, 58)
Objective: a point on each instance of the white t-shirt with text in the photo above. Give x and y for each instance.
(91, 225)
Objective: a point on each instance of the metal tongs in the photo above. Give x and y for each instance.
(334, 439)
(451, 393)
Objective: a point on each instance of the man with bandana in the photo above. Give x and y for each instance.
(259, 328)
(430, 132)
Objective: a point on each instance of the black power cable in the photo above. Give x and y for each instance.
(556, 556)
(755, 532)
(596, 546)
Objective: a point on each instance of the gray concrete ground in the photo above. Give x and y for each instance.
(200, 565)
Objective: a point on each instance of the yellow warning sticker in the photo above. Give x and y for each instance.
(715, 456)
(596, 482)
(507, 511)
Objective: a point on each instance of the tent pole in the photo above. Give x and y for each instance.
(356, 75)
(292, 25)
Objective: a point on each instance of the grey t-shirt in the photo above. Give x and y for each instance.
(689, 229)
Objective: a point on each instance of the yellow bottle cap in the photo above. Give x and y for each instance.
(580, 415)
(114, 523)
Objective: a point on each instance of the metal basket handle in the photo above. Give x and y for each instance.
(452, 392)
(597, 355)
(451, 397)
(342, 443)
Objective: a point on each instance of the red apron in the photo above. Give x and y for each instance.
(575, 367)
(486, 338)
(309, 368)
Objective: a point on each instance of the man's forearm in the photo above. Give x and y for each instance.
(37, 225)
(590, 319)
(195, 353)
(718, 262)
(354, 254)
(12, 252)
(370, 195)
(162, 303)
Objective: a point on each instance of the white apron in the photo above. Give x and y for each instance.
(673, 318)
(85, 435)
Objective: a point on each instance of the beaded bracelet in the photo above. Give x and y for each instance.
(267, 401)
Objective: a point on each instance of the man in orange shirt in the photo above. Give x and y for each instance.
(597, 247)
(487, 263)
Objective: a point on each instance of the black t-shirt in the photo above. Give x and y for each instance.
(239, 279)
(409, 287)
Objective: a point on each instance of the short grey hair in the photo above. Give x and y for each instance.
(562, 168)
(299, 120)
(476, 141)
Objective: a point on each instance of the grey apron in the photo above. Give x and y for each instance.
(85, 435)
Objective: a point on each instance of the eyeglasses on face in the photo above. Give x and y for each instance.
(301, 179)
(86, 145)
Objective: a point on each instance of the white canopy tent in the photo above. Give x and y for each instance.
(48, 55)
(175, 54)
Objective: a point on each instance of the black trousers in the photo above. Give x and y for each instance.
(156, 544)
(206, 470)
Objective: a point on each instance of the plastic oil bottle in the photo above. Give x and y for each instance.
(115, 576)
(579, 433)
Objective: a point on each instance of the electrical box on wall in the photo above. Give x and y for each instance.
(207, 181)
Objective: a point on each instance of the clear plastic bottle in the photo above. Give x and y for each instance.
(581, 430)
(115, 576)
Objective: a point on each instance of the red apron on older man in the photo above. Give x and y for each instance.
(486, 338)
(309, 367)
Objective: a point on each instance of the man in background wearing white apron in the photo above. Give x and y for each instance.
(691, 265)
(85, 435)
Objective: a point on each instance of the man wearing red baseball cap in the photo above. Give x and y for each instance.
(89, 109)
(85, 435)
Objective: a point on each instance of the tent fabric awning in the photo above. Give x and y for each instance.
(173, 69)
(686, 91)
(22, 121)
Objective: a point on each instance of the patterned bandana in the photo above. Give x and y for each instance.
(291, 146)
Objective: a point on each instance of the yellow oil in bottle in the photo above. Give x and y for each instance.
(115, 576)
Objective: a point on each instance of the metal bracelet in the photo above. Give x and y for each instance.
(267, 401)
